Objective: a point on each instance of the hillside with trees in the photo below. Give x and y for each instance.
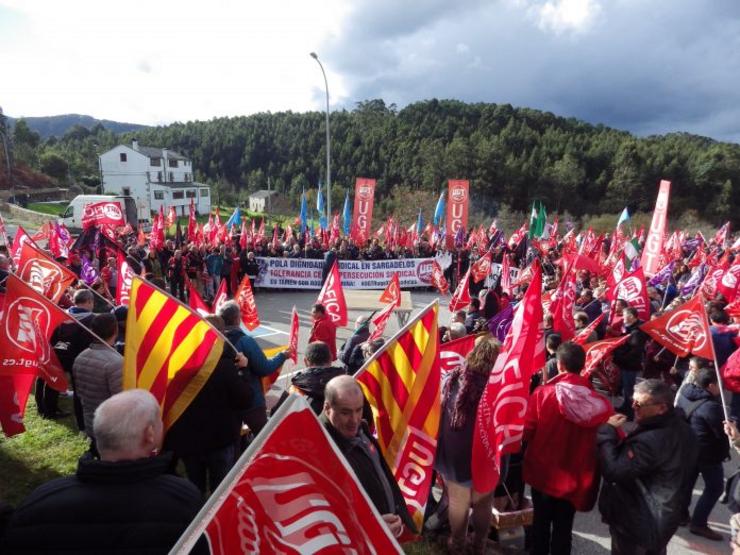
(512, 156)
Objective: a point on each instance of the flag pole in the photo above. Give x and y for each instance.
(86, 286)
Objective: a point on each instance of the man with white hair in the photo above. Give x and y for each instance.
(124, 502)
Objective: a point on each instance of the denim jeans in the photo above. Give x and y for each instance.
(714, 485)
(211, 466)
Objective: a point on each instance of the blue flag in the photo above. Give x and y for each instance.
(320, 201)
(623, 217)
(235, 218)
(346, 215)
(419, 224)
(304, 212)
(439, 211)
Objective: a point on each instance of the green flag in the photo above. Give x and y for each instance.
(537, 220)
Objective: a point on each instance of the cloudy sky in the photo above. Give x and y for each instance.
(648, 66)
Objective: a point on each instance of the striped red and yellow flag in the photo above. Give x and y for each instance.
(401, 383)
(170, 350)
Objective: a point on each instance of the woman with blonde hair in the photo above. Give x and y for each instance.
(461, 393)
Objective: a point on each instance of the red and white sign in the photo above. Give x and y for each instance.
(290, 493)
(461, 297)
(102, 213)
(438, 278)
(632, 289)
(380, 321)
(683, 330)
(44, 274)
(650, 261)
(123, 285)
(295, 324)
(728, 285)
(452, 354)
(481, 268)
(457, 208)
(221, 295)
(598, 351)
(392, 293)
(362, 217)
(247, 305)
(332, 297)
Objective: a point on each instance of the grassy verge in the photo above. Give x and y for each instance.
(48, 449)
(53, 209)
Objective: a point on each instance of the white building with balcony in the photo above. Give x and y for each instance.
(154, 177)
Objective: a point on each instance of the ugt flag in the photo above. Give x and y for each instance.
(290, 494)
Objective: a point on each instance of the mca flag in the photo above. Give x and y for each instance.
(419, 224)
(170, 350)
(401, 383)
(439, 210)
(234, 219)
(304, 212)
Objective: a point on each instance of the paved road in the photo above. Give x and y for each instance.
(591, 536)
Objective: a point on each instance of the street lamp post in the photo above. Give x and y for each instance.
(328, 141)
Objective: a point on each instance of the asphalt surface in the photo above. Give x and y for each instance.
(590, 536)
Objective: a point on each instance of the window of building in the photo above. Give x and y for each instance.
(203, 193)
(172, 176)
(173, 163)
(159, 177)
(126, 191)
(158, 195)
(190, 193)
(177, 195)
(123, 156)
(155, 161)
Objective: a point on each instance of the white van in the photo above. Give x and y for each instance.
(72, 217)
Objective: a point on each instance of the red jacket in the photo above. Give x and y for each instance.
(324, 330)
(560, 425)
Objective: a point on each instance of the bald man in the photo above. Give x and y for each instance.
(125, 502)
(342, 416)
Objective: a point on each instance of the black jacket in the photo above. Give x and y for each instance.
(366, 474)
(647, 478)
(212, 421)
(706, 421)
(359, 336)
(630, 355)
(129, 507)
(311, 382)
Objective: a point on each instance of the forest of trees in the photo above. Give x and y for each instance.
(511, 156)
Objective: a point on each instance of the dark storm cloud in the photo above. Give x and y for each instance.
(645, 66)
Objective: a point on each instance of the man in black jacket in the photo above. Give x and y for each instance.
(629, 358)
(124, 503)
(342, 417)
(648, 474)
(703, 410)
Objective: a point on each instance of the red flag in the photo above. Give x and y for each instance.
(102, 214)
(290, 494)
(452, 354)
(733, 309)
(44, 274)
(221, 296)
(123, 285)
(392, 293)
(598, 351)
(582, 262)
(380, 321)
(247, 306)
(632, 289)
(20, 238)
(14, 391)
(293, 343)
(141, 238)
(583, 335)
(481, 267)
(192, 222)
(683, 330)
(196, 302)
(332, 297)
(438, 278)
(727, 286)
(710, 282)
(500, 420)
(171, 218)
(505, 279)
(562, 303)
(650, 261)
(731, 372)
(461, 297)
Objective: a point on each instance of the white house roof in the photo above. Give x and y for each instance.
(262, 193)
(154, 152)
(179, 184)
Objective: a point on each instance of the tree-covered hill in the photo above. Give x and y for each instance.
(511, 156)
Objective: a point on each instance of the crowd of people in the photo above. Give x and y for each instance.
(639, 459)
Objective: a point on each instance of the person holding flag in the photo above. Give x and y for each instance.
(323, 329)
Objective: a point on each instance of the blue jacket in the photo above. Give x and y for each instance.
(214, 261)
(259, 365)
